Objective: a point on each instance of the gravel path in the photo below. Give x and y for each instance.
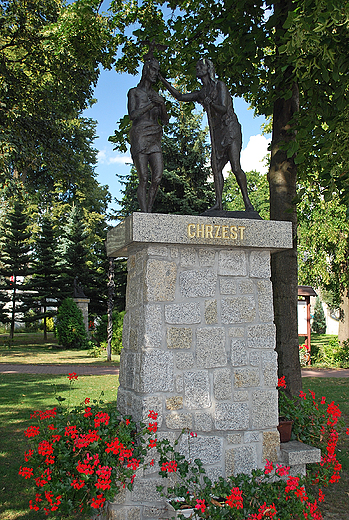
(94, 370)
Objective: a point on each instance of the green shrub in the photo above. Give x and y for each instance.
(319, 320)
(333, 354)
(70, 329)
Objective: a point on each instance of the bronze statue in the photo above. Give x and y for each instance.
(146, 108)
(225, 129)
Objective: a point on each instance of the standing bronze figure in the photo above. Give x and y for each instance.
(225, 129)
(146, 110)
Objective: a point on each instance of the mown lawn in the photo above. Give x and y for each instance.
(20, 394)
(30, 348)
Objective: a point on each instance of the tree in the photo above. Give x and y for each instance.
(319, 320)
(42, 289)
(258, 189)
(267, 52)
(15, 256)
(49, 62)
(324, 251)
(70, 328)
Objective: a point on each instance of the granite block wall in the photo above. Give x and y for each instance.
(199, 345)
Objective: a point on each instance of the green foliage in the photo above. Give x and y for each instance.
(50, 55)
(101, 331)
(15, 257)
(258, 191)
(323, 232)
(69, 327)
(333, 354)
(319, 320)
(317, 423)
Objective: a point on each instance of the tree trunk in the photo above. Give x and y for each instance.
(282, 178)
(343, 331)
(111, 287)
(282, 185)
(45, 323)
(13, 310)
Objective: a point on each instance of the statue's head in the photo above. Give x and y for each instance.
(151, 69)
(205, 66)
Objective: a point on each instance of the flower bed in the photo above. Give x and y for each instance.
(81, 458)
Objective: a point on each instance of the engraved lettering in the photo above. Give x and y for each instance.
(200, 230)
(208, 229)
(191, 230)
(217, 228)
(242, 229)
(233, 232)
(225, 231)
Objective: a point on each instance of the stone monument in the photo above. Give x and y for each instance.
(198, 342)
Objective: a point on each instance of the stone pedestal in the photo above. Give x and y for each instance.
(82, 303)
(199, 341)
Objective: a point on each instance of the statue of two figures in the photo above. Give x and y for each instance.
(147, 111)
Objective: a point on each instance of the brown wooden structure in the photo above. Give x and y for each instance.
(304, 293)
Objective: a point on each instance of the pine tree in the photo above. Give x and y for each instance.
(44, 285)
(75, 252)
(319, 320)
(15, 255)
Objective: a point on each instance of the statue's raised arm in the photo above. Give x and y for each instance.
(225, 130)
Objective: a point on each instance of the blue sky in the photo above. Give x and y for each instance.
(111, 95)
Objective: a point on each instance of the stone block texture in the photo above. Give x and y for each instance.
(198, 348)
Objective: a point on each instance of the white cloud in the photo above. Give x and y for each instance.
(103, 157)
(121, 159)
(252, 156)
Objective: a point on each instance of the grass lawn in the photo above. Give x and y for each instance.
(20, 394)
(30, 348)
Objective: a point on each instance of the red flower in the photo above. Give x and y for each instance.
(193, 434)
(282, 470)
(127, 422)
(267, 511)
(152, 462)
(152, 443)
(282, 382)
(72, 376)
(235, 498)
(153, 427)
(87, 400)
(77, 484)
(170, 466)
(98, 502)
(153, 415)
(302, 395)
(323, 400)
(28, 455)
(45, 448)
(200, 504)
(101, 417)
(71, 431)
(268, 468)
(88, 412)
(321, 496)
(26, 472)
(32, 431)
(347, 432)
(134, 464)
